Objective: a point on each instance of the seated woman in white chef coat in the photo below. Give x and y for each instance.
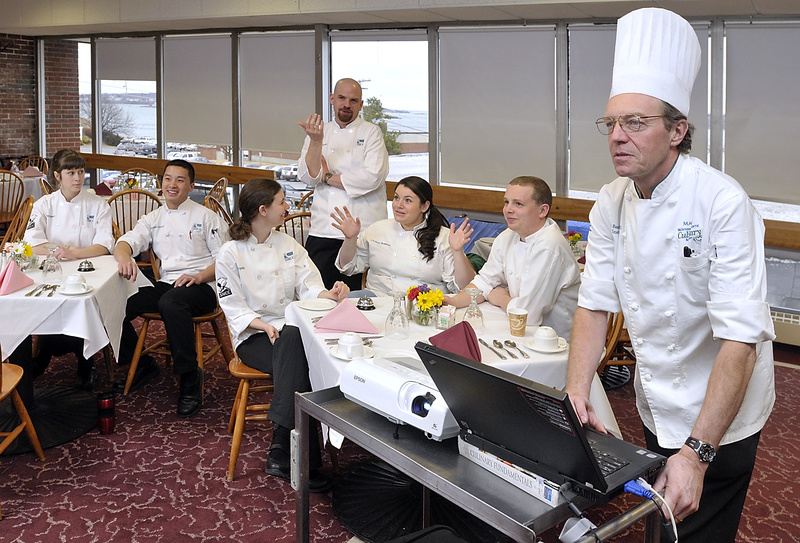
(413, 248)
(258, 274)
(79, 224)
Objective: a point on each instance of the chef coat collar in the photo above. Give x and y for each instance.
(655, 194)
(421, 225)
(75, 200)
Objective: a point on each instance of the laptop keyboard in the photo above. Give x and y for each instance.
(608, 462)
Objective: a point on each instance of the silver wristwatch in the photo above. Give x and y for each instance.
(705, 451)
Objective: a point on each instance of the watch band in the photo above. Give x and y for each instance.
(327, 177)
(705, 451)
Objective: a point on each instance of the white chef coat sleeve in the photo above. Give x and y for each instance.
(544, 279)
(140, 236)
(737, 278)
(448, 261)
(231, 291)
(36, 231)
(309, 280)
(103, 234)
(492, 273)
(360, 261)
(598, 292)
(216, 232)
(302, 167)
(374, 169)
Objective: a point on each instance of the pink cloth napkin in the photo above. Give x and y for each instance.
(31, 171)
(12, 279)
(345, 317)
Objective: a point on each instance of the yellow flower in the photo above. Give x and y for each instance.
(429, 300)
(27, 251)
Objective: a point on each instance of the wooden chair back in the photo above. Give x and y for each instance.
(139, 178)
(19, 223)
(305, 202)
(219, 189)
(618, 352)
(128, 206)
(47, 188)
(298, 226)
(37, 161)
(216, 206)
(11, 191)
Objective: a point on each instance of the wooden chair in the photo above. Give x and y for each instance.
(142, 179)
(47, 188)
(305, 202)
(11, 192)
(19, 222)
(9, 379)
(243, 410)
(297, 225)
(127, 207)
(219, 189)
(162, 346)
(216, 206)
(37, 161)
(619, 353)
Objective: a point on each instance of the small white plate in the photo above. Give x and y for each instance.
(317, 304)
(561, 347)
(368, 353)
(86, 290)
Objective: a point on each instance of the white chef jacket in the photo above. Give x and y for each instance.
(395, 263)
(540, 272)
(186, 240)
(258, 280)
(686, 268)
(83, 222)
(358, 153)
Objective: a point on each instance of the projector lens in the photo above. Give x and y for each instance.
(421, 405)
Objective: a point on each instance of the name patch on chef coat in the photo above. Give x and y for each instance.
(223, 289)
(197, 227)
(615, 229)
(288, 256)
(90, 219)
(384, 243)
(690, 231)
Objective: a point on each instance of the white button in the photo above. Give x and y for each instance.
(676, 381)
(283, 301)
(671, 348)
(252, 248)
(669, 236)
(264, 306)
(670, 275)
(258, 276)
(627, 269)
(639, 341)
(269, 246)
(634, 307)
(673, 202)
(276, 273)
(648, 377)
(669, 313)
(627, 196)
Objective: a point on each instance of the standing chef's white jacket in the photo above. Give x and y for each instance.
(258, 280)
(186, 240)
(391, 254)
(83, 222)
(356, 152)
(686, 268)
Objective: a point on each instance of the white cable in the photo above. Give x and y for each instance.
(647, 485)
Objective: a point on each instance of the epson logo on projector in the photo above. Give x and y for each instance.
(359, 378)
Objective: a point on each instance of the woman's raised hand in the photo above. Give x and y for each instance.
(461, 236)
(344, 221)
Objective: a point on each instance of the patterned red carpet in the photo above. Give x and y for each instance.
(162, 479)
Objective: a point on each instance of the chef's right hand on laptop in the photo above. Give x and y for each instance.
(586, 413)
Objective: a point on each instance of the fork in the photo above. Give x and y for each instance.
(44, 288)
(52, 290)
(36, 290)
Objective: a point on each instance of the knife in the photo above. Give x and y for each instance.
(36, 289)
(491, 349)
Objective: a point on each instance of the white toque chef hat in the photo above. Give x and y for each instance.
(657, 53)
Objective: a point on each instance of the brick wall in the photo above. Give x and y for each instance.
(18, 134)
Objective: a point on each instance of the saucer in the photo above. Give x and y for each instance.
(317, 304)
(368, 353)
(86, 290)
(529, 343)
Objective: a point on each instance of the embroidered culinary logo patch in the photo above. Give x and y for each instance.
(222, 287)
(690, 231)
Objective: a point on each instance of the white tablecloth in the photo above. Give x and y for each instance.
(32, 187)
(96, 317)
(549, 369)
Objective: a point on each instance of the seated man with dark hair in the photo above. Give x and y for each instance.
(186, 237)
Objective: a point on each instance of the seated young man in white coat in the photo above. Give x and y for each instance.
(531, 265)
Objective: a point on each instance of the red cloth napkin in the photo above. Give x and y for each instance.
(12, 279)
(459, 339)
(102, 189)
(345, 317)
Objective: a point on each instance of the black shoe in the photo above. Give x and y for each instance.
(191, 395)
(318, 482)
(86, 381)
(145, 372)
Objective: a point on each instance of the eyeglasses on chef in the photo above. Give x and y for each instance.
(629, 123)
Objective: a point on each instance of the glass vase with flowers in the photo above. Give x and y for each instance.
(425, 303)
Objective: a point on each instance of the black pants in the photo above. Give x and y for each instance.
(724, 491)
(286, 361)
(323, 252)
(177, 306)
(33, 367)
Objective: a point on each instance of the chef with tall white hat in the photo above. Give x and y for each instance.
(678, 248)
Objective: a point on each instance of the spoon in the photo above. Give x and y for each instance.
(499, 345)
(502, 357)
(514, 346)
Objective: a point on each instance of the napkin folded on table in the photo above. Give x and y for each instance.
(12, 279)
(345, 317)
(459, 339)
(31, 171)
(102, 189)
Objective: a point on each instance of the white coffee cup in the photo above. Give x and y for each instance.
(74, 284)
(350, 345)
(546, 339)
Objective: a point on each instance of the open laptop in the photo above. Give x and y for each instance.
(533, 426)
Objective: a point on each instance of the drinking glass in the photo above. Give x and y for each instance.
(397, 322)
(52, 274)
(473, 315)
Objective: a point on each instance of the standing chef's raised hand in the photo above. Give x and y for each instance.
(313, 126)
